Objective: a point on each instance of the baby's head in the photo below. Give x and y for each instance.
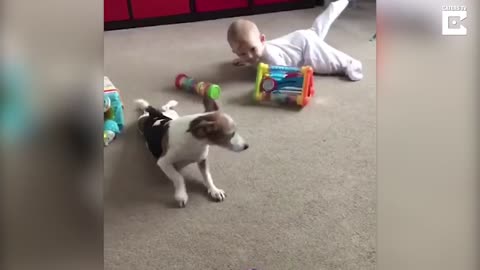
(246, 40)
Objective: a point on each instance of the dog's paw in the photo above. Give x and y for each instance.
(170, 105)
(217, 194)
(181, 198)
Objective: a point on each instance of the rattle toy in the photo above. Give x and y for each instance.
(112, 112)
(282, 84)
(189, 84)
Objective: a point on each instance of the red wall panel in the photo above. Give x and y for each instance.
(266, 2)
(157, 8)
(215, 5)
(115, 10)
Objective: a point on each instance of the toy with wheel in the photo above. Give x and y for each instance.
(286, 85)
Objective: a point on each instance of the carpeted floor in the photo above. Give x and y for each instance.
(302, 197)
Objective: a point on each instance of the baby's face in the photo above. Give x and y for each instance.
(249, 50)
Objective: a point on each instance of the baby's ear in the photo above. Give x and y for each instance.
(262, 38)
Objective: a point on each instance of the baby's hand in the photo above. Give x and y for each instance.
(239, 62)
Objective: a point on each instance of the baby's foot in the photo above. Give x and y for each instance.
(354, 70)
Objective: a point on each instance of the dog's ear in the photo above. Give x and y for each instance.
(201, 128)
(209, 104)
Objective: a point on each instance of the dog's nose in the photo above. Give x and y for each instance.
(245, 147)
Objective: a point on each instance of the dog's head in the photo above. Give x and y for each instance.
(217, 128)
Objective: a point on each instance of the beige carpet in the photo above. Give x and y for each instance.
(302, 197)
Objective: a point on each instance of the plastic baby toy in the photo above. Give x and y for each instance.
(112, 112)
(189, 84)
(286, 85)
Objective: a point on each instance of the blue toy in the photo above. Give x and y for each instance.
(114, 121)
(15, 105)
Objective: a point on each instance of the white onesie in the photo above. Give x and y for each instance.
(307, 47)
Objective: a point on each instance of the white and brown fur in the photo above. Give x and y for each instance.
(187, 140)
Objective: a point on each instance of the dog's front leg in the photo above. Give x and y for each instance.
(215, 192)
(169, 169)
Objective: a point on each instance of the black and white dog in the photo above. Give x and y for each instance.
(176, 141)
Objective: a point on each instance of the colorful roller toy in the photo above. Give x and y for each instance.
(286, 85)
(189, 84)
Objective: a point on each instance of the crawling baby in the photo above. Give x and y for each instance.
(301, 47)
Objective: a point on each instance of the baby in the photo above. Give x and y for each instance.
(302, 47)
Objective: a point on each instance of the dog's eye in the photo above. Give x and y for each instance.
(252, 49)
